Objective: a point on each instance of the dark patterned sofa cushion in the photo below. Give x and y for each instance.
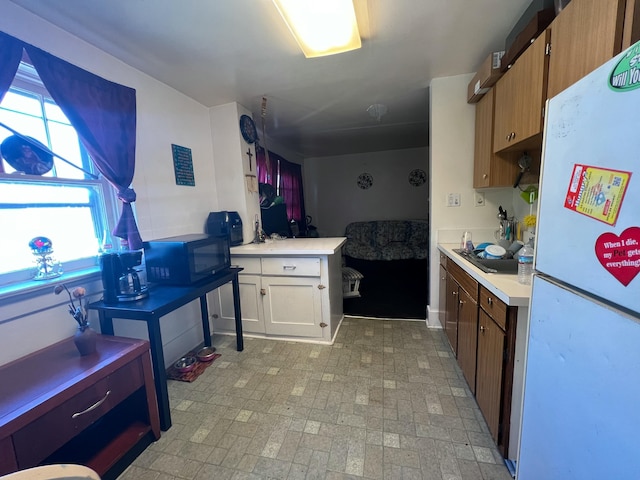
(387, 240)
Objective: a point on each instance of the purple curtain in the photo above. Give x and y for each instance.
(291, 189)
(102, 112)
(267, 172)
(10, 55)
(104, 115)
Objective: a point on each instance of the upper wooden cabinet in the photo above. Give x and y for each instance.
(585, 35)
(520, 97)
(489, 169)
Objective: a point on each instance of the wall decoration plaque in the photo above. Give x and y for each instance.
(183, 165)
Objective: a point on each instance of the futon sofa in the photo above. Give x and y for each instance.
(393, 257)
(387, 240)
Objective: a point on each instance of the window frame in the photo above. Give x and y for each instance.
(103, 200)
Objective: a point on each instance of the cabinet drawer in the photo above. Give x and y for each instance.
(251, 265)
(464, 280)
(43, 436)
(495, 307)
(291, 267)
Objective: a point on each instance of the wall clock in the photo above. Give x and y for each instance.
(417, 177)
(248, 129)
(365, 180)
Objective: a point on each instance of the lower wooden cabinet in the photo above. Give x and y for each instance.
(467, 337)
(442, 291)
(481, 330)
(451, 312)
(491, 342)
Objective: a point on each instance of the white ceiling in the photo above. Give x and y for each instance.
(221, 51)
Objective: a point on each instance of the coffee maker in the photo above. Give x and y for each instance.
(121, 279)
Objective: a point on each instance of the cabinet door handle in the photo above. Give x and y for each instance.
(454, 293)
(263, 291)
(288, 267)
(482, 328)
(490, 300)
(92, 407)
(461, 302)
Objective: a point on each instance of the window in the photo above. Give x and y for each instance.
(65, 204)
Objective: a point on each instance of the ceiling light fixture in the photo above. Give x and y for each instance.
(377, 110)
(324, 27)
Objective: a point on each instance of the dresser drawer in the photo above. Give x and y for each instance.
(251, 265)
(43, 436)
(291, 266)
(494, 307)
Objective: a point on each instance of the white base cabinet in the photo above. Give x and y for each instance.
(292, 306)
(286, 297)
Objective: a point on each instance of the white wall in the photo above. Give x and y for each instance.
(333, 198)
(452, 122)
(163, 208)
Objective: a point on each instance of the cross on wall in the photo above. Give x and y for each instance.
(250, 155)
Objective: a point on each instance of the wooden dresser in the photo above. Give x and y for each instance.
(59, 407)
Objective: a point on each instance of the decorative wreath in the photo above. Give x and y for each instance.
(365, 180)
(417, 177)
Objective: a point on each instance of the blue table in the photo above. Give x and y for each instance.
(164, 299)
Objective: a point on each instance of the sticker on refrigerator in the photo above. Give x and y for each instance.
(597, 192)
(620, 255)
(626, 74)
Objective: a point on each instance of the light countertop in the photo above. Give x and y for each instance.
(291, 246)
(503, 286)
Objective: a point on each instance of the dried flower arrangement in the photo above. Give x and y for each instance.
(78, 312)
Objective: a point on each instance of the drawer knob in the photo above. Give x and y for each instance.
(288, 267)
(454, 293)
(263, 291)
(490, 300)
(92, 407)
(482, 328)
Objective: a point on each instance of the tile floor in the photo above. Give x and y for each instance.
(386, 401)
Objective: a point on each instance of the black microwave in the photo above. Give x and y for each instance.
(186, 259)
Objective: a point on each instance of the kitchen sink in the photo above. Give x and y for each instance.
(487, 265)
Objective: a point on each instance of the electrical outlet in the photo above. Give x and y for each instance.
(453, 200)
(478, 199)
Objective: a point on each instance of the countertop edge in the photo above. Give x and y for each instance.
(291, 246)
(503, 286)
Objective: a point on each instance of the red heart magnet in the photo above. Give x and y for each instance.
(620, 255)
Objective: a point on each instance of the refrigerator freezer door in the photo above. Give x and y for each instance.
(592, 125)
(582, 387)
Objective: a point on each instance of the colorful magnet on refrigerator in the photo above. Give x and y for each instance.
(620, 255)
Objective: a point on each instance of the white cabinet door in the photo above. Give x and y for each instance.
(292, 306)
(250, 306)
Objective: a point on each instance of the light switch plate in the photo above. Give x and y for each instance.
(453, 200)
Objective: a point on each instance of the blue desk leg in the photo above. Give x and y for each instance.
(159, 373)
(106, 324)
(236, 307)
(204, 314)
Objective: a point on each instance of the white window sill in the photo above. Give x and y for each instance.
(21, 290)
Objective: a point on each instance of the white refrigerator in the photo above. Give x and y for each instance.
(581, 402)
